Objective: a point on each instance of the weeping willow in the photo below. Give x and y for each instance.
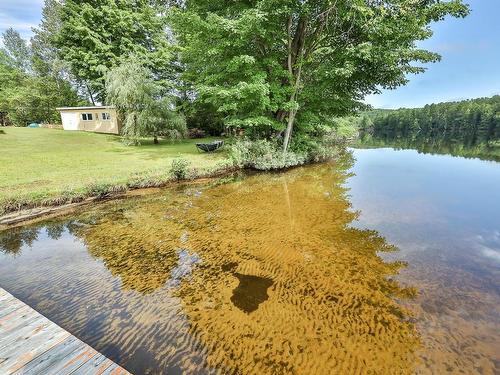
(142, 106)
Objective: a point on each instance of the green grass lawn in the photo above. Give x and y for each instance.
(42, 163)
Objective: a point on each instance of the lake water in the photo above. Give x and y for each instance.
(384, 262)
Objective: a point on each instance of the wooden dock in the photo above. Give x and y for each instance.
(32, 344)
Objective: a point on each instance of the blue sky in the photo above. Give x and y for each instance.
(470, 49)
(470, 64)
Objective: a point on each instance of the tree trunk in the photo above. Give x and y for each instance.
(155, 140)
(292, 113)
(90, 94)
(288, 131)
(295, 54)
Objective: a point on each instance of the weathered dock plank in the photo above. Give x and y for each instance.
(52, 358)
(32, 344)
(7, 306)
(16, 318)
(97, 365)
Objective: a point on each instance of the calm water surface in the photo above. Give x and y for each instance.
(389, 264)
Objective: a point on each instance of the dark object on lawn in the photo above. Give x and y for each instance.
(4, 118)
(209, 147)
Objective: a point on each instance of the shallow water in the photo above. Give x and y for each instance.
(386, 265)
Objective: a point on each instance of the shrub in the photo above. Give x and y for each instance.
(179, 168)
(263, 155)
(268, 155)
(98, 190)
(321, 152)
(279, 160)
(316, 149)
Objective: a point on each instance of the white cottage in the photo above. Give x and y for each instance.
(100, 119)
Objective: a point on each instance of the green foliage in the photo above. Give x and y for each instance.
(347, 127)
(45, 57)
(98, 190)
(263, 155)
(179, 168)
(95, 36)
(137, 97)
(272, 65)
(30, 89)
(28, 98)
(17, 50)
(317, 148)
(202, 116)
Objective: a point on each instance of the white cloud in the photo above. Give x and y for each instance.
(489, 245)
(21, 15)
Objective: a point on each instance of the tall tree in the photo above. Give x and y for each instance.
(45, 57)
(95, 36)
(280, 65)
(17, 49)
(145, 108)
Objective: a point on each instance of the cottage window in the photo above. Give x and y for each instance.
(106, 116)
(87, 117)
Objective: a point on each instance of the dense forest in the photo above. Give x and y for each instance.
(468, 122)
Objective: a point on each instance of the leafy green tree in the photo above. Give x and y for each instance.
(37, 99)
(94, 36)
(26, 97)
(17, 50)
(45, 56)
(144, 109)
(274, 66)
(10, 81)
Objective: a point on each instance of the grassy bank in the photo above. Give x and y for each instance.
(49, 166)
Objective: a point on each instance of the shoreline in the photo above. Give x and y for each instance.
(37, 212)
(31, 212)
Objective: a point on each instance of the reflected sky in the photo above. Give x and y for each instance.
(443, 213)
(427, 199)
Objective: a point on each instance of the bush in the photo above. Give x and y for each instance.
(98, 190)
(179, 168)
(279, 160)
(267, 155)
(317, 149)
(263, 155)
(196, 133)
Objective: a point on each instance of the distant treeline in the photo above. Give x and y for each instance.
(468, 122)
